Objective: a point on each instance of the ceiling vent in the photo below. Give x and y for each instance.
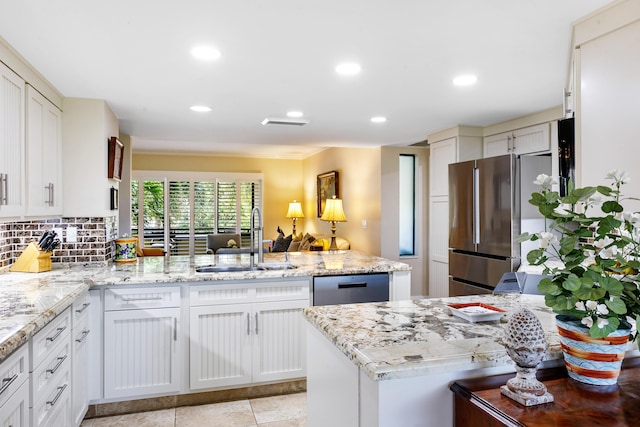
(284, 121)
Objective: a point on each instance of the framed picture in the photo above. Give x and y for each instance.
(327, 188)
(116, 150)
(114, 199)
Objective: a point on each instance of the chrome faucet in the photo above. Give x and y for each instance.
(256, 212)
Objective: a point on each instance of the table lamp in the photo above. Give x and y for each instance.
(295, 212)
(333, 213)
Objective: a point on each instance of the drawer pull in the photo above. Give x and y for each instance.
(248, 324)
(352, 285)
(84, 307)
(6, 382)
(132, 299)
(58, 394)
(55, 337)
(83, 336)
(60, 362)
(256, 323)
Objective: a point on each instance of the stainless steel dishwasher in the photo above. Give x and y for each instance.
(329, 290)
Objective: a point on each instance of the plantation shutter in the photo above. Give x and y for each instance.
(179, 217)
(204, 207)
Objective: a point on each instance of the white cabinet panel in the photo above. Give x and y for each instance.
(15, 411)
(79, 368)
(44, 155)
(532, 139)
(441, 154)
(12, 153)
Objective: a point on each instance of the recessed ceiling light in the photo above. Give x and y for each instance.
(465, 80)
(205, 53)
(378, 119)
(348, 69)
(200, 108)
(295, 114)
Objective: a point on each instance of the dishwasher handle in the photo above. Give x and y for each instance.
(346, 285)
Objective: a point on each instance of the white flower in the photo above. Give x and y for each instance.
(590, 257)
(603, 243)
(602, 309)
(563, 209)
(592, 305)
(595, 200)
(580, 306)
(546, 239)
(633, 218)
(545, 181)
(587, 321)
(632, 322)
(619, 176)
(609, 253)
(602, 323)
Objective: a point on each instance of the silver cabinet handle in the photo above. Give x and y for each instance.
(83, 336)
(1, 189)
(513, 143)
(141, 299)
(58, 394)
(83, 308)
(175, 329)
(6, 382)
(248, 324)
(256, 323)
(55, 337)
(60, 362)
(51, 198)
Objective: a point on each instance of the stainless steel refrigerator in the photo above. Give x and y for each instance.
(488, 209)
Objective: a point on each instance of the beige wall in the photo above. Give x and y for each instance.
(360, 191)
(282, 180)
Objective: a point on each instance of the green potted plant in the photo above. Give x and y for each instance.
(590, 251)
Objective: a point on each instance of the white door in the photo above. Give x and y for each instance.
(15, 411)
(533, 139)
(141, 352)
(79, 377)
(220, 345)
(279, 350)
(497, 145)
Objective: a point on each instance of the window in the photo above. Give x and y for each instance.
(407, 204)
(194, 206)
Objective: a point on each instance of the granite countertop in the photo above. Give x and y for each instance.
(28, 301)
(412, 338)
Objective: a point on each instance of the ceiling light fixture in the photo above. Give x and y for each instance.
(205, 53)
(465, 80)
(284, 121)
(348, 69)
(378, 119)
(200, 108)
(295, 114)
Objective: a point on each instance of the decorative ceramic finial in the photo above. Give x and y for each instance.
(526, 345)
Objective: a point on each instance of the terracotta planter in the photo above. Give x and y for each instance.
(591, 360)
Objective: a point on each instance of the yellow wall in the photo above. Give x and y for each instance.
(282, 180)
(359, 188)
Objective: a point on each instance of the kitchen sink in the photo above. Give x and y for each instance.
(234, 268)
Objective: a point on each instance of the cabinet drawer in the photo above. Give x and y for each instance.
(57, 330)
(283, 291)
(56, 398)
(13, 372)
(80, 308)
(49, 371)
(140, 298)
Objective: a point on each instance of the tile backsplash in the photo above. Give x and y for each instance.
(95, 236)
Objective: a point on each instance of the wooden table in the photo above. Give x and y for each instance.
(478, 402)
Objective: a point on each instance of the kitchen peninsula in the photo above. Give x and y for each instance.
(390, 364)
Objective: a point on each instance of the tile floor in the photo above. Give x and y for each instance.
(278, 411)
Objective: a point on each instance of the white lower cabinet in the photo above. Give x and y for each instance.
(260, 337)
(14, 389)
(51, 373)
(79, 371)
(141, 351)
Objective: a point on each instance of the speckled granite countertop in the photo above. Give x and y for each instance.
(28, 301)
(412, 338)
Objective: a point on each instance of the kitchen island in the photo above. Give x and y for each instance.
(390, 364)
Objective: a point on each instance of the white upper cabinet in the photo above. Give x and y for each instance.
(11, 143)
(44, 155)
(532, 139)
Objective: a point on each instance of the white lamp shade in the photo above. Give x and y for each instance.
(333, 211)
(295, 210)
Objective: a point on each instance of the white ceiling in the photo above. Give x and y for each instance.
(280, 55)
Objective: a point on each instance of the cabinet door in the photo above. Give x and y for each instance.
(497, 145)
(279, 340)
(44, 138)
(220, 345)
(442, 153)
(79, 373)
(141, 352)
(15, 411)
(439, 247)
(12, 147)
(533, 139)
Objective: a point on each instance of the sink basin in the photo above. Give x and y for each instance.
(234, 268)
(225, 268)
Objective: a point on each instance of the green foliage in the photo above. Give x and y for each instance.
(590, 249)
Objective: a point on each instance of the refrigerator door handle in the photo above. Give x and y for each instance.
(476, 205)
